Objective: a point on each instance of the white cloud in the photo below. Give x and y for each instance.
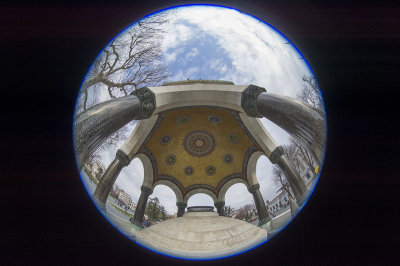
(194, 52)
(259, 54)
(177, 34)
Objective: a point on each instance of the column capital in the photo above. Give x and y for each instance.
(276, 154)
(147, 100)
(122, 157)
(249, 100)
(253, 188)
(146, 190)
(181, 204)
(219, 204)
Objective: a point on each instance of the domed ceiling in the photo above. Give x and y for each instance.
(199, 147)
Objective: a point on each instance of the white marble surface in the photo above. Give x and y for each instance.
(201, 236)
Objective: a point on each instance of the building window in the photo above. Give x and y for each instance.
(308, 175)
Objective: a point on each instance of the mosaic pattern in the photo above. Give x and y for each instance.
(171, 159)
(214, 119)
(199, 143)
(232, 138)
(188, 170)
(165, 139)
(228, 158)
(210, 170)
(182, 119)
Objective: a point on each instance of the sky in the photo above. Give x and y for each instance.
(204, 42)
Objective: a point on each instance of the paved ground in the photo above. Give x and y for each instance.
(201, 236)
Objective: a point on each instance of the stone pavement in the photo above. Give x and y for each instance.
(201, 235)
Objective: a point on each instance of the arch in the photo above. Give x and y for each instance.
(171, 185)
(200, 190)
(227, 185)
(147, 170)
(252, 167)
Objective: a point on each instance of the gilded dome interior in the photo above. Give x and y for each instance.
(199, 147)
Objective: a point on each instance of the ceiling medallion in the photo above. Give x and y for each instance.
(188, 170)
(228, 158)
(171, 159)
(165, 139)
(182, 119)
(232, 138)
(210, 170)
(199, 143)
(214, 119)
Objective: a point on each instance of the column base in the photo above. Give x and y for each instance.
(100, 205)
(137, 224)
(303, 199)
(135, 228)
(263, 222)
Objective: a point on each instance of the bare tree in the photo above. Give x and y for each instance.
(280, 181)
(303, 153)
(292, 154)
(228, 210)
(111, 142)
(311, 95)
(310, 92)
(245, 212)
(130, 61)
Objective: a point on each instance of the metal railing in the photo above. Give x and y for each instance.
(200, 209)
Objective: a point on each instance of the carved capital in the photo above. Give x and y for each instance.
(249, 100)
(147, 191)
(123, 158)
(147, 100)
(276, 154)
(254, 188)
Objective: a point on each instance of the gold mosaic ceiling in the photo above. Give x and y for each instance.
(198, 147)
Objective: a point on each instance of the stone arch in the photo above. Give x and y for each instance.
(200, 190)
(252, 168)
(171, 185)
(147, 170)
(227, 185)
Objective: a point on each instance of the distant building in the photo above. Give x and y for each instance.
(279, 204)
(306, 172)
(131, 206)
(124, 198)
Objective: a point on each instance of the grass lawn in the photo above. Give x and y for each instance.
(121, 210)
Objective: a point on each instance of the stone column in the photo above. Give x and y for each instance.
(292, 176)
(141, 206)
(181, 208)
(302, 121)
(94, 125)
(220, 207)
(263, 215)
(105, 185)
